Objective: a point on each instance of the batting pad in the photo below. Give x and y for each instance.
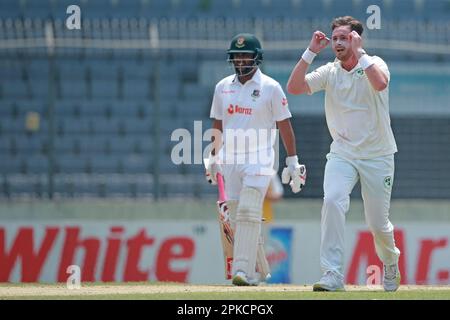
(248, 228)
(262, 265)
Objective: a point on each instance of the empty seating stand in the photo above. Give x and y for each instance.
(106, 116)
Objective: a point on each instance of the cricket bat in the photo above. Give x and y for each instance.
(226, 233)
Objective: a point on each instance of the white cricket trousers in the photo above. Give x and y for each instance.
(247, 231)
(238, 176)
(376, 177)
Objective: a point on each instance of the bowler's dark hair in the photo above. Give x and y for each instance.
(354, 24)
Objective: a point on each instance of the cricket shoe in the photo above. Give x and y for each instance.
(259, 278)
(391, 277)
(330, 281)
(241, 279)
(268, 276)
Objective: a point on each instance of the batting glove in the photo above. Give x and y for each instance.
(213, 167)
(294, 174)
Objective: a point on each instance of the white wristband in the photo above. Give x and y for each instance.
(308, 56)
(365, 61)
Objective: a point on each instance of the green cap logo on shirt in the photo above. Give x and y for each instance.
(360, 72)
(388, 181)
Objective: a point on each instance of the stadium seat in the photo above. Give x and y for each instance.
(37, 164)
(40, 88)
(8, 109)
(12, 164)
(75, 126)
(104, 164)
(94, 109)
(123, 145)
(73, 89)
(15, 88)
(136, 89)
(134, 164)
(73, 164)
(137, 126)
(104, 89)
(29, 144)
(108, 116)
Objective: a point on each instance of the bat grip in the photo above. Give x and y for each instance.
(221, 187)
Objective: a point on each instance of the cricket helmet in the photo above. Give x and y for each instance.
(246, 43)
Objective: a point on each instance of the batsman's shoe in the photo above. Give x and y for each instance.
(260, 278)
(241, 279)
(391, 277)
(268, 276)
(330, 281)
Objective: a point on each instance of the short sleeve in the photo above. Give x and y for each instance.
(383, 66)
(280, 108)
(216, 106)
(317, 80)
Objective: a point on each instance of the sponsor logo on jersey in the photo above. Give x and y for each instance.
(284, 102)
(241, 110)
(256, 93)
(360, 72)
(388, 181)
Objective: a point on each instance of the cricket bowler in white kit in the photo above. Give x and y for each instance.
(247, 108)
(357, 113)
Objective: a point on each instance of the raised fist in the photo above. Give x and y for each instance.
(318, 42)
(355, 43)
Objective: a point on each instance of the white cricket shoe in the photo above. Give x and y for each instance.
(241, 279)
(391, 277)
(260, 278)
(330, 281)
(268, 276)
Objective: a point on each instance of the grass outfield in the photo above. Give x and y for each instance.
(176, 291)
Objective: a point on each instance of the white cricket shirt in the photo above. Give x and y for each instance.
(357, 115)
(247, 111)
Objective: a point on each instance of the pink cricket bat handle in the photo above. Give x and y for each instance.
(221, 187)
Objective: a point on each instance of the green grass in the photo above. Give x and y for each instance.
(402, 295)
(134, 291)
